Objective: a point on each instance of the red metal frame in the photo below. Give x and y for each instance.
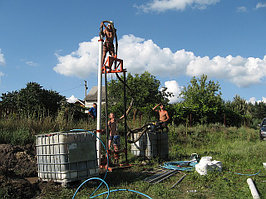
(113, 65)
(109, 66)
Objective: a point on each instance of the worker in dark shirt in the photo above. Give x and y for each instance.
(114, 136)
(93, 111)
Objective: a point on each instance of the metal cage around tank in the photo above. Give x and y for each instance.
(66, 156)
(152, 144)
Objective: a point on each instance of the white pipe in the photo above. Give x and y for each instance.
(99, 101)
(253, 189)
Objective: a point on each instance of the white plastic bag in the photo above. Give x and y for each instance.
(206, 164)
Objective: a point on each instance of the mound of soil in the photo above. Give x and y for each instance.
(17, 188)
(17, 161)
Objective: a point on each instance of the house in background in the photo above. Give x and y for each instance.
(92, 96)
(74, 100)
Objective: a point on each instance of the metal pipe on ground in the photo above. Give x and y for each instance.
(178, 181)
(163, 176)
(168, 176)
(155, 176)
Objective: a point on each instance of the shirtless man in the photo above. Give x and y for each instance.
(108, 46)
(113, 136)
(163, 114)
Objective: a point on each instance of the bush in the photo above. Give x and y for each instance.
(18, 137)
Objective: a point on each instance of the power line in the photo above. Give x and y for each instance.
(71, 88)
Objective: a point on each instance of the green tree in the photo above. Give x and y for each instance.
(32, 101)
(240, 106)
(144, 89)
(231, 117)
(8, 105)
(259, 110)
(201, 101)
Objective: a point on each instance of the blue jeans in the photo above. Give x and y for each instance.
(115, 139)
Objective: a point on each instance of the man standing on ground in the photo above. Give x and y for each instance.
(93, 111)
(163, 114)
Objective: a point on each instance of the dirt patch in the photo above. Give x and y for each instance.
(17, 188)
(48, 189)
(16, 161)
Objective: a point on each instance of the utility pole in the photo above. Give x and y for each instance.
(86, 88)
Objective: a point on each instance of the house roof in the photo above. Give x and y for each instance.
(74, 100)
(92, 95)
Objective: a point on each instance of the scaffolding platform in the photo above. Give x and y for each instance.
(113, 65)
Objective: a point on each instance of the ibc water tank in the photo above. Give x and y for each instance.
(152, 144)
(66, 156)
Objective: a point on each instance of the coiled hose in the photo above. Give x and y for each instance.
(100, 179)
(180, 165)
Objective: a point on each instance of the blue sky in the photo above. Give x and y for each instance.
(54, 43)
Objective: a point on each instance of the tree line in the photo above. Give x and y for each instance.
(200, 102)
(35, 102)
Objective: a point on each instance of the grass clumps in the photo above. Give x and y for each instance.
(239, 149)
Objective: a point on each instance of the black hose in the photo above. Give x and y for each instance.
(143, 130)
(135, 140)
(124, 83)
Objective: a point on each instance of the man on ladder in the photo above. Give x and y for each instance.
(108, 45)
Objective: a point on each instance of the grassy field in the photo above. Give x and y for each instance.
(239, 149)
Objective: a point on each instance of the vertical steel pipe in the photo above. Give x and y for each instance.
(99, 101)
(106, 108)
(125, 113)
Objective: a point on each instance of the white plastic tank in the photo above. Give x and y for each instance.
(151, 145)
(66, 156)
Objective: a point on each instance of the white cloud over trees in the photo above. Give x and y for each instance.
(173, 87)
(253, 100)
(164, 5)
(2, 58)
(141, 55)
(260, 5)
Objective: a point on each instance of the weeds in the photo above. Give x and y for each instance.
(239, 150)
(20, 131)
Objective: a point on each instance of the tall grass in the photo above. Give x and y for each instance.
(239, 149)
(21, 131)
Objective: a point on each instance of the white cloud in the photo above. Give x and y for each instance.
(164, 5)
(31, 63)
(141, 55)
(2, 59)
(241, 71)
(253, 100)
(2, 62)
(173, 87)
(241, 9)
(260, 5)
(79, 63)
(1, 75)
